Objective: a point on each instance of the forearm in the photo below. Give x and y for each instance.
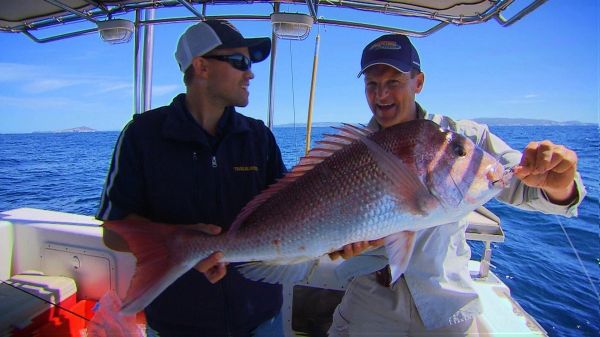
(535, 199)
(564, 196)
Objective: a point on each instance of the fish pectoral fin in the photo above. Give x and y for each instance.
(404, 182)
(278, 271)
(399, 248)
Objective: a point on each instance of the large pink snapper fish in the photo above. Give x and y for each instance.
(357, 185)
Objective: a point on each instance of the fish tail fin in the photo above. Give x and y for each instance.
(157, 266)
(107, 320)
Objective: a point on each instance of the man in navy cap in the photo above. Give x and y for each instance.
(435, 295)
(198, 162)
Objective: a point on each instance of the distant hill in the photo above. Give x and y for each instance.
(303, 125)
(78, 129)
(488, 121)
(525, 122)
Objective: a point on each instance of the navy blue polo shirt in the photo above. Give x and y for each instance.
(168, 169)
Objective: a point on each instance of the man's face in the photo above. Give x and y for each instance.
(391, 94)
(227, 84)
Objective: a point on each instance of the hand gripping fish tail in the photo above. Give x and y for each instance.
(161, 259)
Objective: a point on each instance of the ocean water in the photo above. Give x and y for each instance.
(66, 171)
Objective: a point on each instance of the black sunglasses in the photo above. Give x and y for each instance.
(238, 61)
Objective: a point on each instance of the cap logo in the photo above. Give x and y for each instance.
(388, 45)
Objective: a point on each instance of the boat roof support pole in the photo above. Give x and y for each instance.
(312, 8)
(137, 107)
(71, 10)
(518, 16)
(192, 9)
(311, 98)
(272, 73)
(148, 54)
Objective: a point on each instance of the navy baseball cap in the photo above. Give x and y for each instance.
(394, 50)
(208, 35)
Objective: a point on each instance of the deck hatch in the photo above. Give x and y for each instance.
(92, 270)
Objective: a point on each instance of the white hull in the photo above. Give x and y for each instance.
(70, 245)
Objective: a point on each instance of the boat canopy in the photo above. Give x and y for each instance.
(51, 20)
(30, 16)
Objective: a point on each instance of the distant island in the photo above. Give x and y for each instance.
(488, 121)
(303, 125)
(525, 122)
(77, 129)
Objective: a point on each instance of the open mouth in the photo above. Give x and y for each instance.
(385, 107)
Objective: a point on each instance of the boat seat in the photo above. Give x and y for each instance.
(27, 297)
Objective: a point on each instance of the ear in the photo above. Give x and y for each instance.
(419, 81)
(200, 67)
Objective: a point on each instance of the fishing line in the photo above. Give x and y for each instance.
(45, 300)
(578, 257)
(293, 94)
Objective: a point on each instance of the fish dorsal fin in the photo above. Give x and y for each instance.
(329, 145)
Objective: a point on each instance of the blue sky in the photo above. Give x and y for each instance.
(544, 66)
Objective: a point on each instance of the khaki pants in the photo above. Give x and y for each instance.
(369, 309)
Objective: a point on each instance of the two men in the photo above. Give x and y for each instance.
(175, 164)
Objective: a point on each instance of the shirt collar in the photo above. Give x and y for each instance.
(181, 126)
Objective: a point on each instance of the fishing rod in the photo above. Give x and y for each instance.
(578, 257)
(47, 301)
(105, 322)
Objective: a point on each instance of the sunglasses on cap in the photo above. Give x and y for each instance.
(238, 61)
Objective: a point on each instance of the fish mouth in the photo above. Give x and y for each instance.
(502, 180)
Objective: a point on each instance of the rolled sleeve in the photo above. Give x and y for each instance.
(534, 199)
(518, 194)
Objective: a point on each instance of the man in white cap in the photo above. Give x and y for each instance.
(198, 162)
(435, 295)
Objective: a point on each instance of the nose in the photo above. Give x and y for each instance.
(382, 91)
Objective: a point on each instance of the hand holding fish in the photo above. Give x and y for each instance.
(210, 266)
(355, 248)
(550, 167)
(377, 184)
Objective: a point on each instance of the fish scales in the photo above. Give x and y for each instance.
(322, 217)
(372, 185)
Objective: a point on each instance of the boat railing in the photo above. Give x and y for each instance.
(484, 226)
(308, 305)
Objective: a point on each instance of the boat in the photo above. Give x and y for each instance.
(53, 265)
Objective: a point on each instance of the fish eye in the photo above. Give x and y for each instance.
(459, 150)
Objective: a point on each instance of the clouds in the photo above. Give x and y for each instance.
(35, 79)
(163, 90)
(530, 98)
(15, 71)
(29, 79)
(51, 94)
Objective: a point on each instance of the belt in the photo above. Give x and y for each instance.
(384, 276)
